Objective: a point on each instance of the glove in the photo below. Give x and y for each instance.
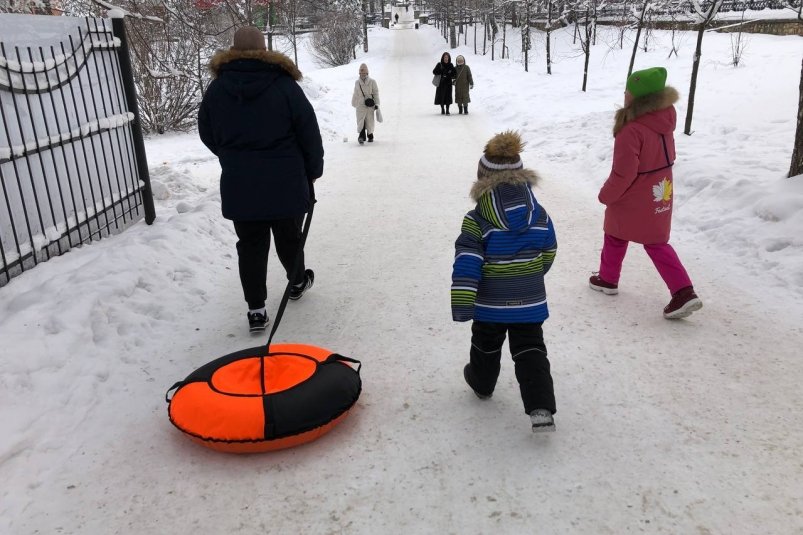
(376, 107)
(471, 86)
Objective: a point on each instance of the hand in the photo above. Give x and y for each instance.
(471, 86)
(376, 107)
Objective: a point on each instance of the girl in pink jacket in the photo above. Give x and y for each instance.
(638, 192)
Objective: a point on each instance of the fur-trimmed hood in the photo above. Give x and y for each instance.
(266, 56)
(488, 183)
(501, 196)
(644, 105)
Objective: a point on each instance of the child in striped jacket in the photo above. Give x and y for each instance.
(506, 246)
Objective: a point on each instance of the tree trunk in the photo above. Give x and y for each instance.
(587, 48)
(364, 27)
(548, 37)
(638, 35)
(797, 154)
(504, 33)
(623, 27)
(693, 86)
(526, 36)
(485, 36)
(475, 38)
(493, 30)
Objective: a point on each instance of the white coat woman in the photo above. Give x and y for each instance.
(365, 88)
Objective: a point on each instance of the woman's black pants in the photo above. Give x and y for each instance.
(253, 246)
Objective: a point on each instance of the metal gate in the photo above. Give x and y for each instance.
(72, 159)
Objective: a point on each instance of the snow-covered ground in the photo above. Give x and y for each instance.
(691, 426)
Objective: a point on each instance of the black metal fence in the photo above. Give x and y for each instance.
(72, 158)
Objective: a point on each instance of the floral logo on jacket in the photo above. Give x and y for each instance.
(662, 191)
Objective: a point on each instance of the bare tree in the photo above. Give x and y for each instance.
(450, 20)
(623, 24)
(739, 41)
(504, 29)
(587, 33)
(525, 35)
(649, 28)
(705, 17)
(33, 7)
(585, 42)
(475, 37)
(494, 29)
(339, 33)
(796, 167)
(288, 12)
(364, 27)
(641, 14)
(673, 13)
(548, 30)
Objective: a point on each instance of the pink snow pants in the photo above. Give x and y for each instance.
(662, 255)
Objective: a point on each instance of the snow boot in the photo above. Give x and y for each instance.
(299, 289)
(465, 109)
(481, 396)
(683, 303)
(542, 421)
(257, 321)
(447, 110)
(460, 109)
(361, 138)
(370, 138)
(600, 285)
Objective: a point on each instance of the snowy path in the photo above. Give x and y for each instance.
(663, 427)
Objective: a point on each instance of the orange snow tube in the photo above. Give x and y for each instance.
(247, 403)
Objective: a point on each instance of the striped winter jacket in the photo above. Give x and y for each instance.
(506, 246)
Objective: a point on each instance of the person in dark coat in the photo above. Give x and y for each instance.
(256, 119)
(447, 72)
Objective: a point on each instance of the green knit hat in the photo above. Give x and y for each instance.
(646, 82)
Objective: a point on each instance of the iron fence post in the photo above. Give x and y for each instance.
(127, 73)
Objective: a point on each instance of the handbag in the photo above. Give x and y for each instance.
(379, 115)
(369, 102)
(436, 80)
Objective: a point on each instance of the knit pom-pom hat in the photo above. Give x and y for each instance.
(502, 153)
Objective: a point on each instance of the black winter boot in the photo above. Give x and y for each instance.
(370, 138)
(460, 108)
(361, 139)
(447, 109)
(465, 108)
(443, 110)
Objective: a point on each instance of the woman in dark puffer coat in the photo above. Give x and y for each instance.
(256, 119)
(443, 92)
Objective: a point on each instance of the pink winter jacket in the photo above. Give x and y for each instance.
(638, 192)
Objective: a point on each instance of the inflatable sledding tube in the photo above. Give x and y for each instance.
(248, 403)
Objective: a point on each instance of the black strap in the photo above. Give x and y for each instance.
(335, 357)
(174, 387)
(363, 92)
(296, 266)
(666, 155)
